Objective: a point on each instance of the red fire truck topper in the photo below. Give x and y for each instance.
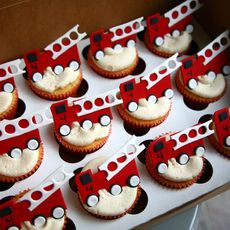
(211, 60)
(58, 55)
(7, 85)
(173, 22)
(119, 36)
(118, 171)
(180, 146)
(221, 119)
(152, 86)
(37, 204)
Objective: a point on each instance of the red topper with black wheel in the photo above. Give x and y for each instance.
(173, 22)
(119, 36)
(210, 61)
(118, 171)
(35, 208)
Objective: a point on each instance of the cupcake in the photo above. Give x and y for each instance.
(113, 54)
(20, 156)
(49, 214)
(145, 107)
(54, 79)
(109, 188)
(220, 140)
(173, 166)
(80, 134)
(171, 33)
(201, 78)
(8, 99)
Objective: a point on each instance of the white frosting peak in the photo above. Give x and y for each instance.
(115, 60)
(176, 44)
(150, 111)
(14, 167)
(81, 137)
(5, 101)
(51, 82)
(209, 88)
(178, 173)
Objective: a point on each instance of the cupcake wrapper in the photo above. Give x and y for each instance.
(199, 101)
(117, 216)
(219, 148)
(141, 123)
(97, 144)
(167, 183)
(8, 179)
(11, 111)
(58, 94)
(111, 74)
(159, 53)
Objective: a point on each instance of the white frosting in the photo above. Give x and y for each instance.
(5, 101)
(110, 205)
(115, 60)
(81, 137)
(208, 88)
(14, 167)
(51, 224)
(150, 111)
(177, 44)
(178, 173)
(51, 81)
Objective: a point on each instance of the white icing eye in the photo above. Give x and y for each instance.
(37, 77)
(58, 69)
(105, 120)
(87, 124)
(92, 200)
(39, 221)
(227, 141)
(168, 93)
(132, 106)
(152, 99)
(159, 41)
(189, 28)
(99, 55)
(33, 144)
(117, 47)
(192, 83)
(13, 228)
(162, 168)
(58, 212)
(15, 153)
(183, 159)
(133, 181)
(64, 130)
(115, 189)
(175, 33)
(199, 151)
(8, 87)
(211, 75)
(74, 65)
(130, 43)
(226, 70)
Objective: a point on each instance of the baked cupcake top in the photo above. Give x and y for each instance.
(20, 156)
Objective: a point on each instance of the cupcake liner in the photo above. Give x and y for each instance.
(219, 148)
(97, 144)
(8, 179)
(59, 94)
(167, 183)
(117, 216)
(193, 98)
(137, 123)
(160, 53)
(12, 109)
(111, 74)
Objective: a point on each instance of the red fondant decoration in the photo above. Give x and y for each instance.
(7, 85)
